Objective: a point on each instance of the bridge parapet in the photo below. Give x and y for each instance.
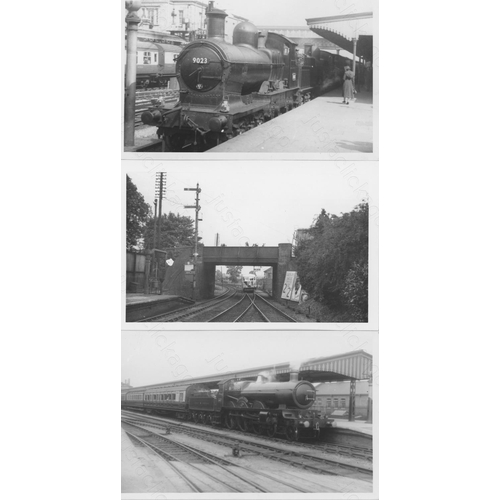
(241, 255)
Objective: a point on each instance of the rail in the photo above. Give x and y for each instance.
(287, 455)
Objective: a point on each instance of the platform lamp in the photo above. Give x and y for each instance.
(197, 209)
(133, 21)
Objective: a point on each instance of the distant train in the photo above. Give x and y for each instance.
(260, 406)
(227, 89)
(249, 282)
(156, 65)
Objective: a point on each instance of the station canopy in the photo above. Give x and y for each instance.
(354, 365)
(342, 30)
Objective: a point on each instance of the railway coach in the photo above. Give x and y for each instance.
(156, 65)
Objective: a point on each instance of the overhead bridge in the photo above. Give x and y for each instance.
(279, 258)
(241, 256)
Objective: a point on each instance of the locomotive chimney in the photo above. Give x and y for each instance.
(216, 21)
(294, 376)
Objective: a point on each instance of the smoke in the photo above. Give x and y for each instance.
(266, 376)
(296, 364)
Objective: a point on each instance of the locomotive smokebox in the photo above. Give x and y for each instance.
(246, 34)
(216, 21)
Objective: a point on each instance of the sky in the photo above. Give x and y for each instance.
(258, 202)
(154, 357)
(266, 13)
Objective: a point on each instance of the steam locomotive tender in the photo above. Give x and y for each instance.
(252, 406)
(226, 89)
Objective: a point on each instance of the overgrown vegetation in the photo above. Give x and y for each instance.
(175, 230)
(138, 212)
(333, 263)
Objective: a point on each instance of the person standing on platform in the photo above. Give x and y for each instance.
(348, 84)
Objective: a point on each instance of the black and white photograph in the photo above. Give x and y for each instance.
(281, 244)
(231, 76)
(286, 413)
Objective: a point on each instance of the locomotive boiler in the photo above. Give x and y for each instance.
(293, 394)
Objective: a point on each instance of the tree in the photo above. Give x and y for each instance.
(234, 273)
(333, 262)
(176, 231)
(137, 215)
(356, 291)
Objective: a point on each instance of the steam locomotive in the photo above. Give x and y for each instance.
(260, 406)
(227, 89)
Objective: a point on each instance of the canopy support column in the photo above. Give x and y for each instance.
(352, 401)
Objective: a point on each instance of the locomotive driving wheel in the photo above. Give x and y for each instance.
(292, 432)
(242, 422)
(256, 427)
(230, 421)
(271, 427)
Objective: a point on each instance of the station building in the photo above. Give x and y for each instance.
(183, 19)
(334, 399)
(126, 385)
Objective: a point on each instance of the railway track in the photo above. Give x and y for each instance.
(323, 447)
(257, 310)
(251, 308)
(320, 463)
(205, 472)
(184, 313)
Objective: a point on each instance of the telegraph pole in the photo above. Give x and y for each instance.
(133, 21)
(197, 209)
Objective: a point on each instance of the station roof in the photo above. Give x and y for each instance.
(341, 30)
(354, 365)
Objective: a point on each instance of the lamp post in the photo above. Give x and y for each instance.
(133, 21)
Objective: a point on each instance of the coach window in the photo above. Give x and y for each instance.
(335, 402)
(147, 58)
(181, 396)
(342, 402)
(328, 402)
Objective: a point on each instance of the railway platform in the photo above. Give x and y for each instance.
(360, 426)
(323, 125)
(140, 306)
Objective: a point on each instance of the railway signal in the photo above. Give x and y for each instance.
(197, 209)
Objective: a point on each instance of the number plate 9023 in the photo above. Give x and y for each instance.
(200, 60)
